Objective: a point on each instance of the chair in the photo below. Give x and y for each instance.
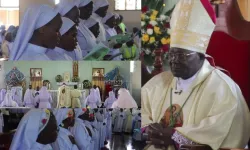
(234, 56)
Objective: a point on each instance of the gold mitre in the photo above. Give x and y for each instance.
(191, 26)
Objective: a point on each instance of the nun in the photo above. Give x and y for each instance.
(65, 119)
(69, 9)
(16, 97)
(92, 100)
(29, 98)
(109, 25)
(67, 42)
(2, 95)
(118, 121)
(93, 132)
(110, 100)
(109, 124)
(99, 12)
(80, 131)
(93, 26)
(38, 32)
(87, 40)
(8, 101)
(44, 98)
(36, 131)
(128, 121)
(125, 100)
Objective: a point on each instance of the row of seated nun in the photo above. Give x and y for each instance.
(69, 129)
(63, 33)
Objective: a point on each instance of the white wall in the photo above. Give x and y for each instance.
(24, 4)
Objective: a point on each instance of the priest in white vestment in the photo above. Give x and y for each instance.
(195, 103)
(75, 97)
(125, 100)
(64, 99)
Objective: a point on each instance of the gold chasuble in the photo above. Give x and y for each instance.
(215, 113)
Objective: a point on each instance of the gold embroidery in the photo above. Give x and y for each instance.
(190, 39)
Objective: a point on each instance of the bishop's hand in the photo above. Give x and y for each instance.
(159, 136)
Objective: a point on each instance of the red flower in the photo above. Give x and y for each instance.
(44, 121)
(91, 115)
(144, 9)
(84, 109)
(165, 48)
(150, 26)
(167, 25)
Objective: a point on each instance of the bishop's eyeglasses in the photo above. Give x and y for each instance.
(179, 56)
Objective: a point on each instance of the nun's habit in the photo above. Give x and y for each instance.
(79, 131)
(59, 53)
(63, 8)
(109, 33)
(85, 37)
(44, 98)
(29, 99)
(63, 142)
(2, 95)
(35, 17)
(8, 101)
(125, 100)
(98, 4)
(28, 130)
(92, 99)
(1, 122)
(110, 100)
(16, 97)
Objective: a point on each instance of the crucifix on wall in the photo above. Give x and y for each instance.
(75, 69)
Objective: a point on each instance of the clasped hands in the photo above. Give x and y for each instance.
(159, 136)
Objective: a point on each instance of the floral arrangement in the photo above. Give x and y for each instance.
(59, 78)
(155, 28)
(75, 79)
(86, 84)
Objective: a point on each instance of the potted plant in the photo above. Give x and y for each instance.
(86, 84)
(75, 79)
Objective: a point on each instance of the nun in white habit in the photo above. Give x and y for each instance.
(79, 131)
(35, 21)
(110, 100)
(97, 5)
(64, 141)
(35, 123)
(85, 37)
(64, 7)
(125, 100)
(92, 100)
(29, 99)
(44, 98)
(109, 24)
(59, 53)
(8, 101)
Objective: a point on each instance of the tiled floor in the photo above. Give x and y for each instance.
(124, 142)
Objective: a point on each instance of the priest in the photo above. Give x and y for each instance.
(195, 103)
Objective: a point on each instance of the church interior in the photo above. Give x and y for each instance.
(107, 76)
